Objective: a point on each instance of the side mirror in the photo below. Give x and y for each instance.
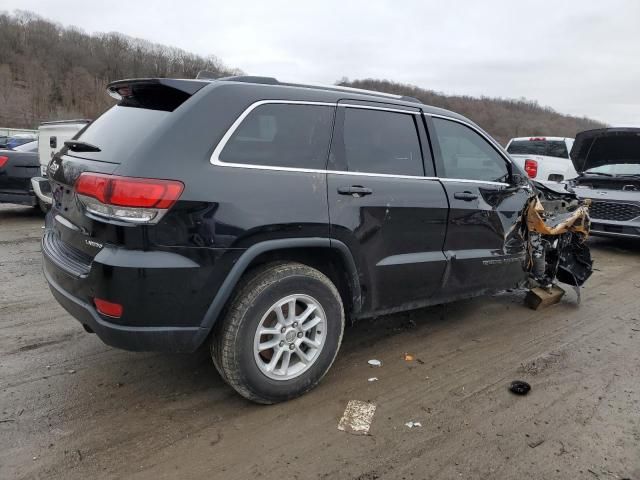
(518, 179)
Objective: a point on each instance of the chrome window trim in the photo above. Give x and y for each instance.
(465, 180)
(383, 175)
(321, 171)
(215, 156)
(384, 109)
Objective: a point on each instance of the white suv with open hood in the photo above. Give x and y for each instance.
(608, 160)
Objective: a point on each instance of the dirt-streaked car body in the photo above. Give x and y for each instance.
(259, 215)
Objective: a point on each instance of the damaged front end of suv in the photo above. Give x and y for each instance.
(557, 226)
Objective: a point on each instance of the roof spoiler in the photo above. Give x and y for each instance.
(187, 86)
(165, 94)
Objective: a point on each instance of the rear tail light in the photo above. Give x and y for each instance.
(531, 167)
(130, 199)
(3, 160)
(110, 309)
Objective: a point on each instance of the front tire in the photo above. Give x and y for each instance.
(281, 333)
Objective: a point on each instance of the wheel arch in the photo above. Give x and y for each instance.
(292, 249)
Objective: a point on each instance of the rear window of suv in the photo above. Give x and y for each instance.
(549, 148)
(282, 135)
(118, 132)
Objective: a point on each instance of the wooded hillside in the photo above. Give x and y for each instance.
(502, 118)
(51, 72)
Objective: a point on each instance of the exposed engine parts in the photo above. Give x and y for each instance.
(558, 225)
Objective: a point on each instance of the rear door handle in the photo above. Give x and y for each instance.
(466, 196)
(355, 190)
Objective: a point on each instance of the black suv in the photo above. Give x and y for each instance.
(258, 215)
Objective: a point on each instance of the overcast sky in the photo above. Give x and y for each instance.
(579, 57)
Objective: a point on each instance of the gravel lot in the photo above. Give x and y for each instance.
(71, 407)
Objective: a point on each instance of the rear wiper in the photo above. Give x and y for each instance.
(78, 146)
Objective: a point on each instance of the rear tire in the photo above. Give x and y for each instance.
(299, 314)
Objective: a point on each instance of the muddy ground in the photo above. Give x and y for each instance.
(71, 407)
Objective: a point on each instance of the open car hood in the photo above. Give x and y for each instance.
(605, 146)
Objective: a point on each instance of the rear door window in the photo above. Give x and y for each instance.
(378, 141)
(282, 135)
(467, 155)
(549, 148)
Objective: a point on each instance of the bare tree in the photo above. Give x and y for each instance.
(51, 72)
(48, 71)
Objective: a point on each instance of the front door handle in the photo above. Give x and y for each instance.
(355, 190)
(466, 196)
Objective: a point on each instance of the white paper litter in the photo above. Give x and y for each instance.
(357, 417)
(413, 424)
(372, 379)
(375, 363)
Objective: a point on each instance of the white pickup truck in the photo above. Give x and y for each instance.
(51, 138)
(544, 158)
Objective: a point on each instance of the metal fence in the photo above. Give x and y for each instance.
(10, 132)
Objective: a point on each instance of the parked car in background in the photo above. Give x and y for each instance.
(545, 159)
(17, 167)
(4, 139)
(19, 139)
(52, 136)
(608, 160)
(258, 216)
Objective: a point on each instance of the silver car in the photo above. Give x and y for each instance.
(608, 163)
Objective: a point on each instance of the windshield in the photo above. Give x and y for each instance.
(549, 148)
(27, 147)
(617, 169)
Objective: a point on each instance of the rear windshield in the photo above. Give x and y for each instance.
(549, 148)
(119, 131)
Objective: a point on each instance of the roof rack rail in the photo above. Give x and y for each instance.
(274, 81)
(251, 79)
(342, 88)
(62, 122)
(206, 75)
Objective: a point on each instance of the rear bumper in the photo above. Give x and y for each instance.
(18, 197)
(164, 303)
(42, 189)
(157, 339)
